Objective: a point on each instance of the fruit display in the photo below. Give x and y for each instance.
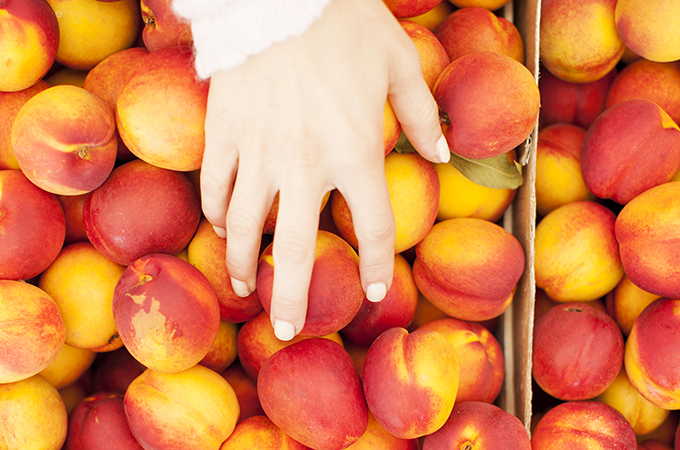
(534, 303)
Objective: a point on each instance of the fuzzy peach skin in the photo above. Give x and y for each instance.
(625, 303)
(650, 29)
(577, 351)
(10, 104)
(651, 369)
(647, 234)
(261, 433)
(491, 5)
(311, 390)
(256, 342)
(632, 146)
(192, 409)
(489, 104)
(73, 217)
(115, 370)
(476, 29)
(32, 225)
(377, 437)
(411, 381)
(91, 31)
(33, 415)
(246, 391)
(558, 167)
(141, 209)
(222, 353)
(69, 365)
(395, 310)
(643, 415)
(656, 81)
(32, 331)
(469, 268)
(569, 102)
(335, 291)
(391, 128)
(583, 425)
(479, 354)
(64, 140)
(410, 8)
(413, 187)
(433, 55)
(206, 251)
(161, 110)
(162, 27)
(579, 41)
(577, 253)
(166, 312)
(28, 42)
(479, 425)
(435, 16)
(81, 281)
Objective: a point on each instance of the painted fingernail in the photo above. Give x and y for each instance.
(221, 232)
(284, 331)
(240, 288)
(376, 292)
(441, 148)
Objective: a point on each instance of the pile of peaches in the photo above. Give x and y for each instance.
(119, 327)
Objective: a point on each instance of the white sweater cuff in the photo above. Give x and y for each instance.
(227, 32)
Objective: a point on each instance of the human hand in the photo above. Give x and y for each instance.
(302, 118)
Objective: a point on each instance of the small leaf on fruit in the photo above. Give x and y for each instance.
(497, 172)
(403, 145)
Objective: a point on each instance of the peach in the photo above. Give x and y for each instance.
(311, 390)
(99, 422)
(33, 415)
(192, 409)
(73, 217)
(477, 29)
(650, 29)
(460, 197)
(162, 27)
(583, 424)
(491, 5)
(426, 312)
(666, 432)
(479, 425)
(91, 31)
(29, 43)
(261, 433)
(66, 75)
(650, 368)
(32, 225)
(141, 209)
(161, 110)
(410, 381)
(577, 253)
(577, 351)
(256, 342)
(655, 81)
(166, 312)
(69, 364)
(207, 252)
(433, 56)
(453, 264)
(32, 331)
(570, 102)
(625, 303)
(435, 16)
(335, 291)
(391, 128)
(479, 353)
(579, 41)
(10, 104)
(245, 389)
(82, 281)
(644, 416)
(395, 310)
(413, 187)
(410, 8)
(64, 140)
(377, 437)
(115, 370)
(74, 393)
(632, 146)
(558, 167)
(646, 231)
(489, 104)
(223, 351)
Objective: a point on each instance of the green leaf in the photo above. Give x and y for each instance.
(403, 145)
(497, 172)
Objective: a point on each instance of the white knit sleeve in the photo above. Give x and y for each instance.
(227, 32)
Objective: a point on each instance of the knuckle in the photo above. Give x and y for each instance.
(292, 249)
(241, 225)
(378, 230)
(212, 186)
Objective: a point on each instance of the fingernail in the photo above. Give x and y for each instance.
(240, 288)
(221, 232)
(284, 331)
(376, 292)
(441, 148)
